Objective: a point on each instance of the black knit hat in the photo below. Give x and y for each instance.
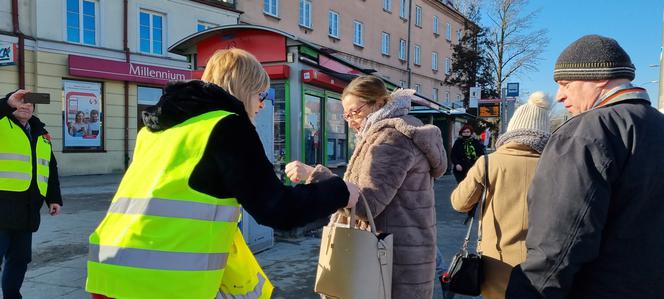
(593, 57)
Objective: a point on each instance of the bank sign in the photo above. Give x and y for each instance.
(83, 66)
(7, 53)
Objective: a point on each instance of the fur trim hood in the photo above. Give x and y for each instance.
(427, 138)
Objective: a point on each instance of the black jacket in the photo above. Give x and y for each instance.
(595, 209)
(458, 155)
(20, 210)
(234, 162)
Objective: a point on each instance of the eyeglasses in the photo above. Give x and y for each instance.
(263, 96)
(353, 113)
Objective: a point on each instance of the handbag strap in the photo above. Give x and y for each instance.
(481, 204)
(369, 215)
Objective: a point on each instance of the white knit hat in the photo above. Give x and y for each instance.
(534, 115)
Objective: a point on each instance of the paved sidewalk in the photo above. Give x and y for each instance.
(58, 269)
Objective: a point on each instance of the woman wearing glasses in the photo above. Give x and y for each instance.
(171, 229)
(395, 160)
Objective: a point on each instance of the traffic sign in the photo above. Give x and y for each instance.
(512, 90)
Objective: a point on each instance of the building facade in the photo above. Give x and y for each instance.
(102, 62)
(407, 42)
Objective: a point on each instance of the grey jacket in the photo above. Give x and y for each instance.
(595, 208)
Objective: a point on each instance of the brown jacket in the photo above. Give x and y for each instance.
(394, 165)
(505, 221)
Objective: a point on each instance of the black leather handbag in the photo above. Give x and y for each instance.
(464, 276)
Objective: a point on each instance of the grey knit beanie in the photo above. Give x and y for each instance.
(593, 57)
(533, 115)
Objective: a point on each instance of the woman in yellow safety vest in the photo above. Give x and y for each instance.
(171, 230)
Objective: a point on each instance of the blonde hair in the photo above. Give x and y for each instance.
(239, 73)
(370, 89)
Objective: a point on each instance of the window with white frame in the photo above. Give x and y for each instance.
(447, 96)
(448, 32)
(434, 61)
(435, 25)
(402, 83)
(387, 5)
(271, 7)
(403, 9)
(418, 87)
(434, 94)
(358, 39)
(305, 13)
(333, 23)
(418, 16)
(385, 43)
(402, 49)
(151, 32)
(82, 21)
(459, 35)
(447, 66)
(205, 26)
(418, 53)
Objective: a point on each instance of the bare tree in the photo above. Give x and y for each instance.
(468, 8)
(515, 48)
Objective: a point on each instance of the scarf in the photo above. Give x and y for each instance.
(398, 105)
(535, 139)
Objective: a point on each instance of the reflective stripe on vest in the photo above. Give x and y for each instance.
(161, 238)
(16, 165)
(175, 209)
(254, 294)
(43, 159)
(152, 259)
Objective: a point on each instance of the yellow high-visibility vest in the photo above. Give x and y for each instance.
(161, 238)
(16, 160)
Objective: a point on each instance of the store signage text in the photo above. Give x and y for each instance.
(7, 54)
(83, 66)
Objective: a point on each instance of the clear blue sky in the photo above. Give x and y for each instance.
(636, 25)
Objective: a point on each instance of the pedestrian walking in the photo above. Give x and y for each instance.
(465, 151)
(504, 221)
(172, 228)
(394, 163)
(595, 203)
(28, 178)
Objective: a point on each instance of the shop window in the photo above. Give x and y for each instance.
(83, 116)
(333, 24)
(312, 130)
(147, 96)
(271, 7)
(335, 126)
(82, 21)
(305, 13)
(151, 32)
(280, 144)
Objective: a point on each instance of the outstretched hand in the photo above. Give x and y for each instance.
(298, 171)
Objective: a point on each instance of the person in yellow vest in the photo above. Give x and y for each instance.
(171, 230)
(28, 177)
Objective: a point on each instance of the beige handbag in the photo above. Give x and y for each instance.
(354, 263)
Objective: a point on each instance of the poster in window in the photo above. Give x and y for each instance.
(82, 115)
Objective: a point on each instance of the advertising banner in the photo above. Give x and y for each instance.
(82, 114)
